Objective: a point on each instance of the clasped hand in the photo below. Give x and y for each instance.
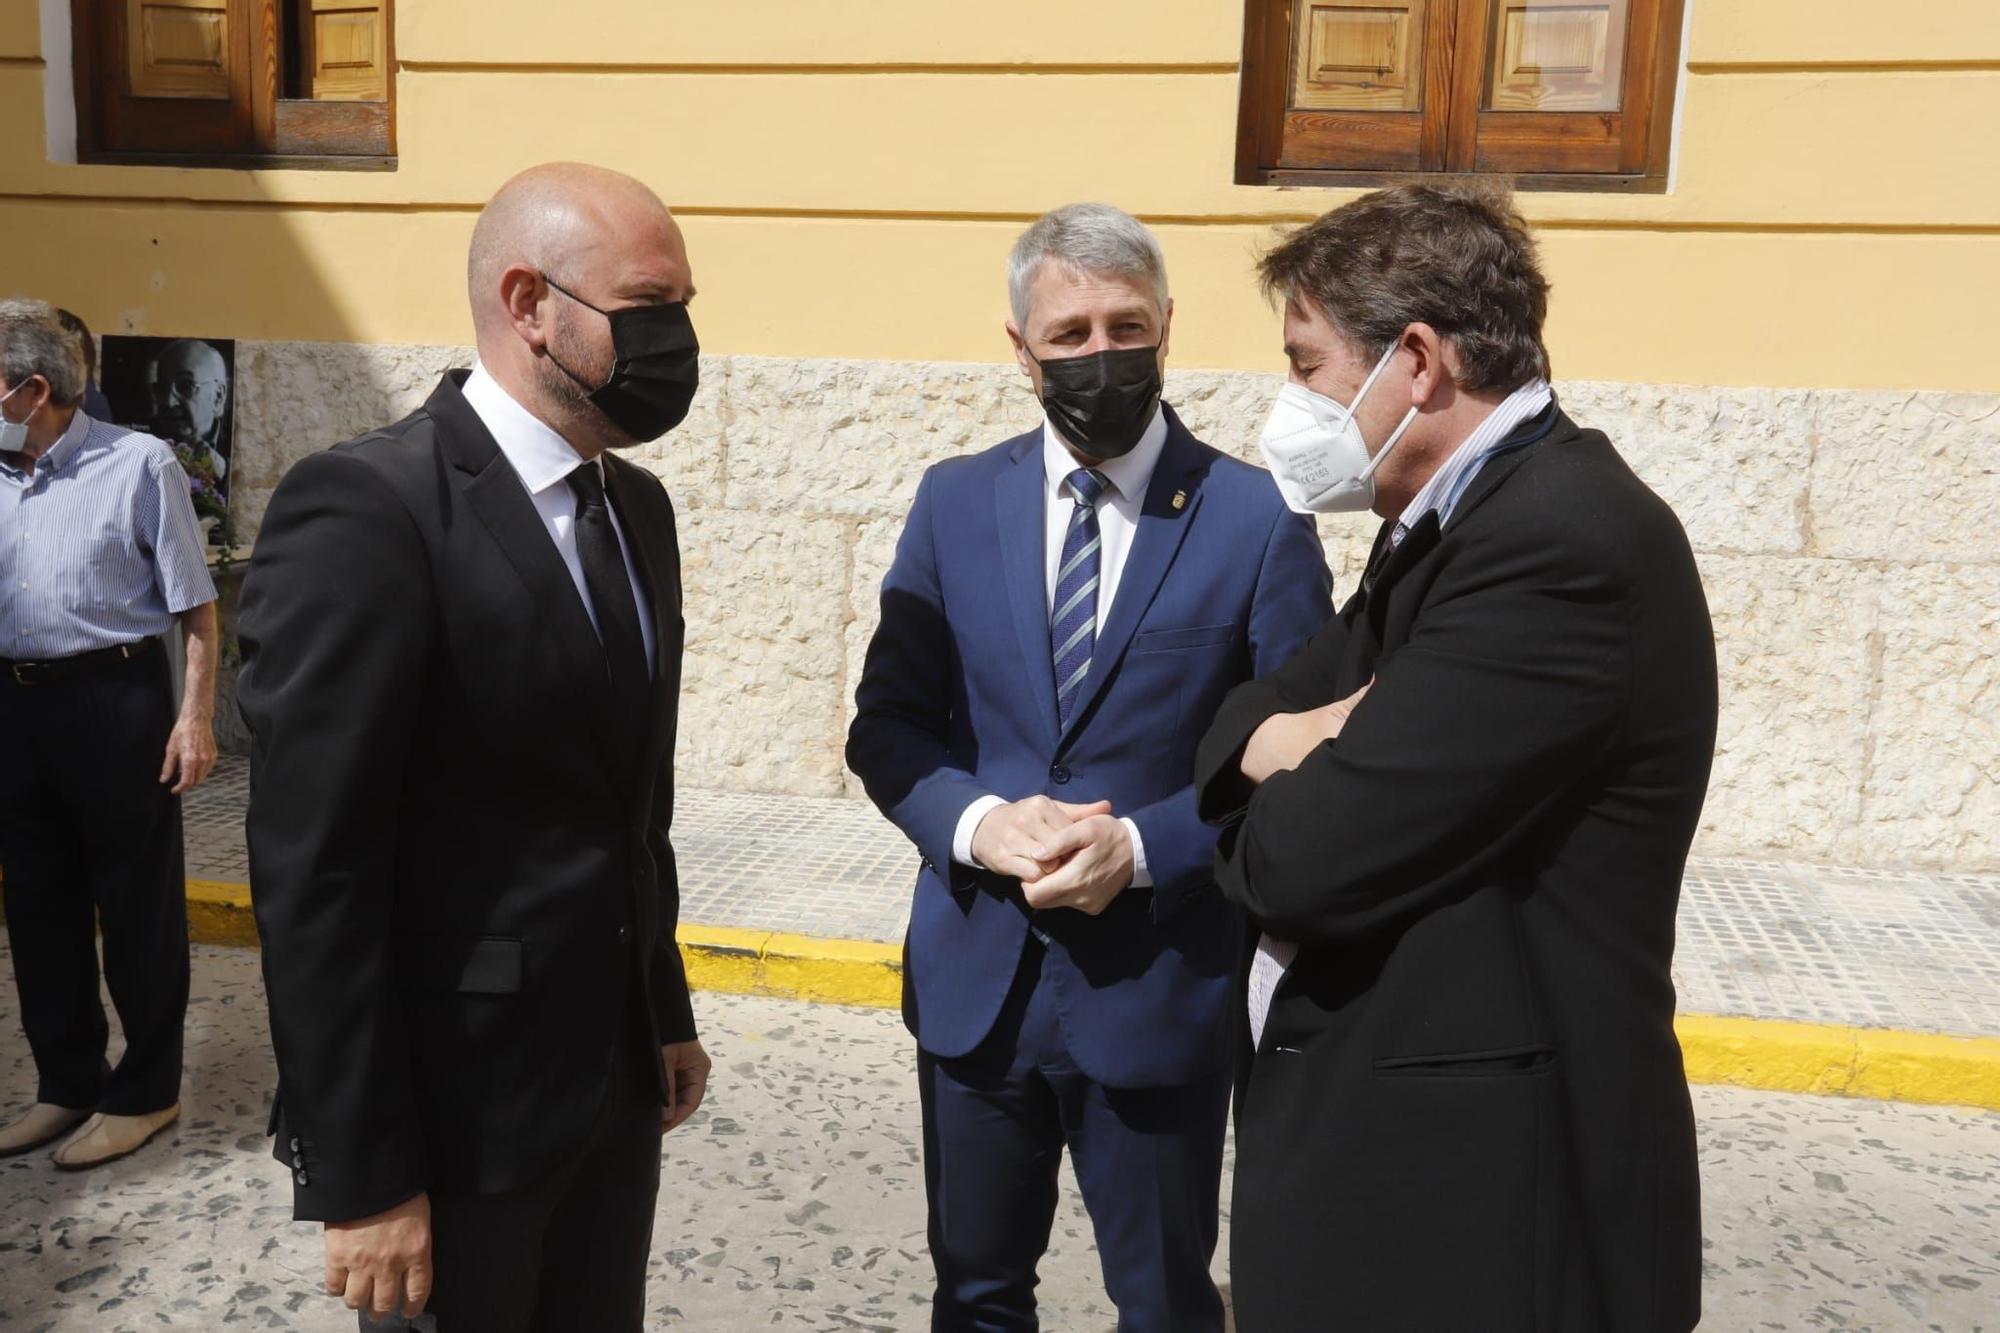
(1065, 855)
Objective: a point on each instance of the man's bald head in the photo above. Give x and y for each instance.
(190, 354)
(568, 220)
(556, 253)
(190, 384)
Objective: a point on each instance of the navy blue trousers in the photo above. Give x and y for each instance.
(1149, 1161)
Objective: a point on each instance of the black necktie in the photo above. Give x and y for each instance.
(610, 585)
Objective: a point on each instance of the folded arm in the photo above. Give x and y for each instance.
(1508, 693)
(1291, 677)
(1292, 598)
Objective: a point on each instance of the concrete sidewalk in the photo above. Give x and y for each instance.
(793, 1200)
(1791, 977)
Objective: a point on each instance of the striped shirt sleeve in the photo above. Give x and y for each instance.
(180, 563)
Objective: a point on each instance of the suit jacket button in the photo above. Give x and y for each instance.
(296, 1145)
(300, 1177)
(1060, 773)
(624, 932)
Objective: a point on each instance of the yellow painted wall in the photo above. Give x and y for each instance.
(851, 174)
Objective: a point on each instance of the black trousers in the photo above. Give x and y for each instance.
(567, 1253)
(89, 837)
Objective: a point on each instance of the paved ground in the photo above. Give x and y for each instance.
(1910, 950)
(794, 1199)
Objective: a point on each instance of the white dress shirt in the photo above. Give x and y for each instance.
(543, 461)
(1117, 520)
(1440, 493)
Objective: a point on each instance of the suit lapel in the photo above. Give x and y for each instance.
(495, 493)
(1021, 502)
(655, 544)
(1417, 543)
(1162, 528)
(1547, 426)
(1378, 554)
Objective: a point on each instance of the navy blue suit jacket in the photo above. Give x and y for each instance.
(957, 701)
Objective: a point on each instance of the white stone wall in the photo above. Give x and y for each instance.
(1847, 540)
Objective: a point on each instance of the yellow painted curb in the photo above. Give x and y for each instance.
(1767, 1054)
(1841, 1061)
(796, 967)
(219, 913)
(718, 958)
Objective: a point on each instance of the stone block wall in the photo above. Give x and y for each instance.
(1847, 540)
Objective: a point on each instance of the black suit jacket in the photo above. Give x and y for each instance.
(1468, 1110)
(464, 908)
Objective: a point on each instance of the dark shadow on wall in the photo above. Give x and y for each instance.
(253, 274)
(137, 250)
(273, 268)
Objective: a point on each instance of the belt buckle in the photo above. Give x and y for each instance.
(21, 672)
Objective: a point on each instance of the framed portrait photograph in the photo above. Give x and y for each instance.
(182, 390)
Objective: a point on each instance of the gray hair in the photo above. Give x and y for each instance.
(34, 342)
(1085, 238)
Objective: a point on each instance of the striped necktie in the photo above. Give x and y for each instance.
(1073, 626)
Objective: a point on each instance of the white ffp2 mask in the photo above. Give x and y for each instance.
(13, 434)
(1316, 451)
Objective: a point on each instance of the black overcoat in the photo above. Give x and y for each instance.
(1468, 1110)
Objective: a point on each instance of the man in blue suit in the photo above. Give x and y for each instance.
(1064, 615)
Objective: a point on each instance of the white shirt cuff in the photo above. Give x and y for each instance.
(968, 824)
(1142, 876)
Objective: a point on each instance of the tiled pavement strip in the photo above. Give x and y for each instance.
(1908, 951)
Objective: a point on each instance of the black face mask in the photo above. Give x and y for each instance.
(656, 369)
(1103, 402)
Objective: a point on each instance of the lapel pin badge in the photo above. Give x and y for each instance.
(1180, 501)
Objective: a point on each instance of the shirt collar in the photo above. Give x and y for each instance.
(64, 448)
(540, 457)
(1129, 476)
(1449, 482)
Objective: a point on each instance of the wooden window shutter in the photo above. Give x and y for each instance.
(342, 105)
(346, 50)
(1560, 87)
(236, 82)
(170, 75)
(1557, 92)
(1351, 81)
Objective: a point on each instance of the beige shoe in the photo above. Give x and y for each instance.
(44, 1123)
(106, 1138)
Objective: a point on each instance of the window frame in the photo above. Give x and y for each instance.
(280, 132)
(1453, 135)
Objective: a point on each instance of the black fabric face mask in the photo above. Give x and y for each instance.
(1103, 402)
(656, 370)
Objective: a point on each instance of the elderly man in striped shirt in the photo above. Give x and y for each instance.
(100, 556)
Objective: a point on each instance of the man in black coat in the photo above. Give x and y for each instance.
(1458, 820)
(461, 660)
